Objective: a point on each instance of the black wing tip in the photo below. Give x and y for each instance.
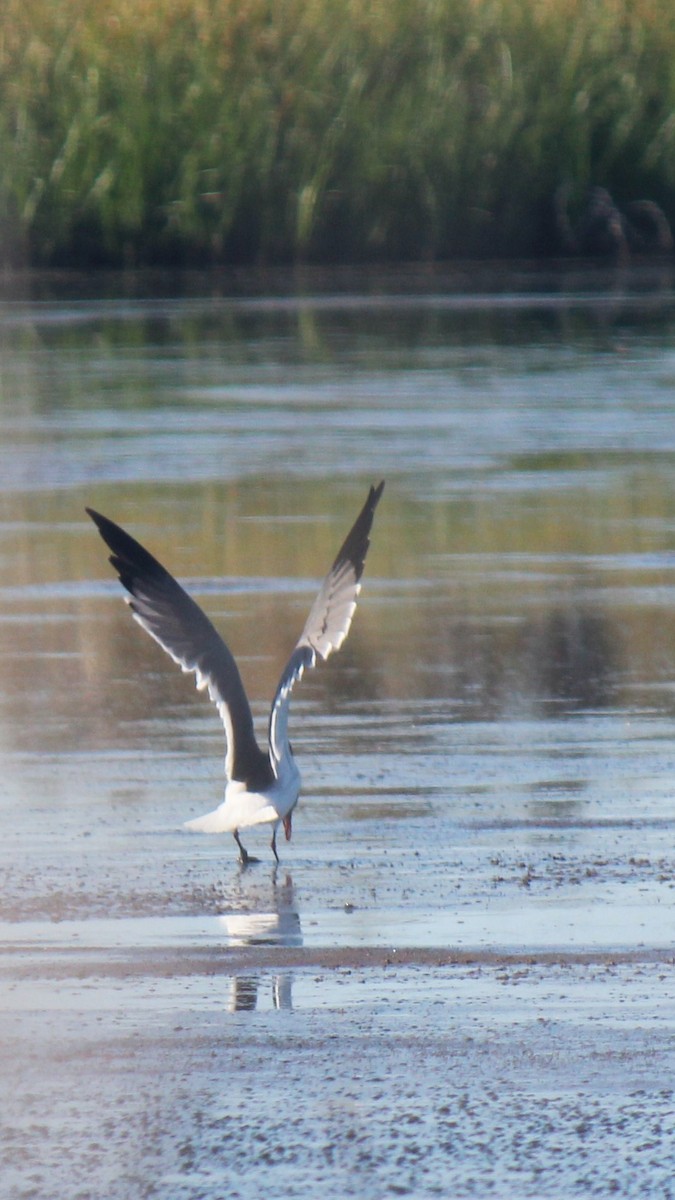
(109, 531)
(107, 528)
(373, 499)
(129, 558)
(96, 517)
(374, 496)
(355, 546)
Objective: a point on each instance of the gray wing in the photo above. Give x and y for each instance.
(329, 619)
(177, 623)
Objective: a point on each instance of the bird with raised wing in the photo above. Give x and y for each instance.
(262, 787)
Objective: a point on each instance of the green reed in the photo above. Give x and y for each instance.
(327, 130)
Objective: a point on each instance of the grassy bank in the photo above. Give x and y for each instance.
(329, 130)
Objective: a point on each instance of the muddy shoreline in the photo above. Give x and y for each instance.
(280, 1071)
(72, 964)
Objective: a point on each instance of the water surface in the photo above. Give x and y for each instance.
(488, 763)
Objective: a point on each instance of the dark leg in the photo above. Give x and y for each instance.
(274, 844)
(244, 857)
(243, 853)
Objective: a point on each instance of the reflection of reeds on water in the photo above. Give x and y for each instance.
(487, 602)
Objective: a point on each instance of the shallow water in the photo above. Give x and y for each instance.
(487, 764)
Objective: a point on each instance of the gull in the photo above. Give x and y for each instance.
(262, 787)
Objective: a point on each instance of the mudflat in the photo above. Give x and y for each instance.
(253, 1070)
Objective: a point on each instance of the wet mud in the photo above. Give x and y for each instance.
(355, 1074)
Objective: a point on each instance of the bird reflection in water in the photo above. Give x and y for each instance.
(280, 926)
(244, 993)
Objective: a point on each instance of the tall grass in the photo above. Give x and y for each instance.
(329, 130)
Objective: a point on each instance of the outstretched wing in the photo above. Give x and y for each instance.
(329, 619)
(173, 619)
